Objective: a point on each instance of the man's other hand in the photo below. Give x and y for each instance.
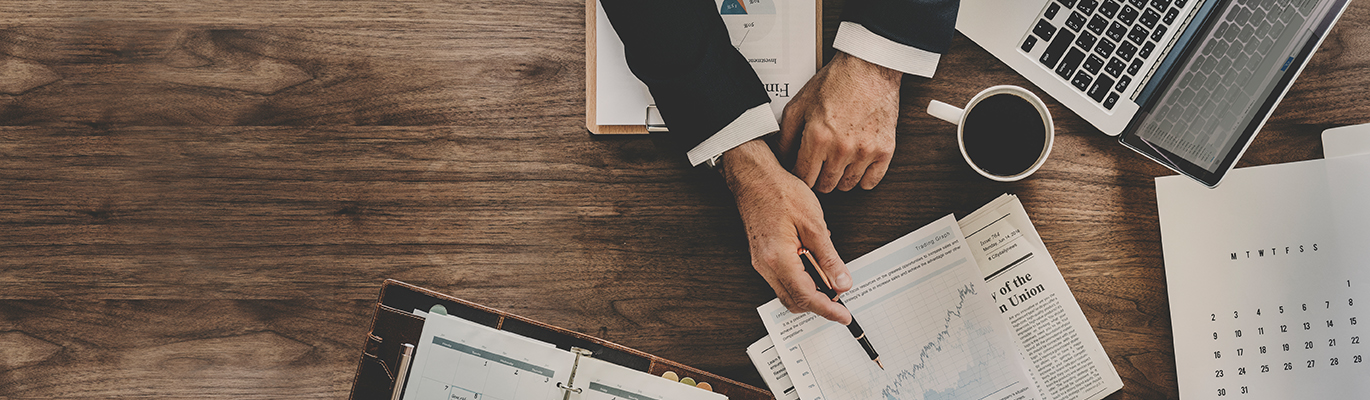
(781, 214)
(843, 122)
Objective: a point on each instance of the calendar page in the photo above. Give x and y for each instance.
(460, 360)
(606, 381)
(457, 359)
(1263, 302)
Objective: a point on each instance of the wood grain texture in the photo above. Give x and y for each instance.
(200, 199)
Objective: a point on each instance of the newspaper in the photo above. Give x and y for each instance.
(1055, 343)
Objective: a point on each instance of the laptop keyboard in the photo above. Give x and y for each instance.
(1233, 70)
(1100, 46)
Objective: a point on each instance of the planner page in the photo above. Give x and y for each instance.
(457, 359)
(601, 380)
(461, 360)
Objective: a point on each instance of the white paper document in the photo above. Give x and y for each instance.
(927, 312)
(606, 381)
(1346, 141)
(767, 361)
(458, 359)
(1267, 275)
(1050, 343)
(779, 38)
(1348, 180)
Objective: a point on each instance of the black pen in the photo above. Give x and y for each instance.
(825, 286)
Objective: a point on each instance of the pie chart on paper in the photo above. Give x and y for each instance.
(748, 21)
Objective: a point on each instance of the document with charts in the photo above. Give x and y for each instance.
(927, 311)
(461, 360)
(767, 361)
(1267, 276)
(986, 316)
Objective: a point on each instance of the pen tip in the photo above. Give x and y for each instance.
(882, 366)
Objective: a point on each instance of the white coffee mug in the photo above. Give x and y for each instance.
(957, 116)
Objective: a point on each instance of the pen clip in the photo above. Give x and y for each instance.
(406, 356)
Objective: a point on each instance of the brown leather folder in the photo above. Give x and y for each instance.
(395, 324)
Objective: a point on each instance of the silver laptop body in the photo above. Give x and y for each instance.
(1188, 83)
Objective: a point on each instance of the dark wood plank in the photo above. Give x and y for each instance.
(201, 198)
(326, 63)
(180, 349)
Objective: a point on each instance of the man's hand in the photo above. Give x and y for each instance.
(781, 215)
(843, 122)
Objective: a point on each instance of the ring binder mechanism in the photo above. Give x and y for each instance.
(381, 367)
(570, 387)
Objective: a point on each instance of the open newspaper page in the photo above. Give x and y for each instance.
(1065, 359)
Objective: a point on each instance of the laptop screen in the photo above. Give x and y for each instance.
(1200, 117)
(1222, 92)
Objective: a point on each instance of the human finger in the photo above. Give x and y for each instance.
(791, 124)
(809, 163)
(774, 275)
(852, 175)
(833, 168)
(875, 173)
(806, 298)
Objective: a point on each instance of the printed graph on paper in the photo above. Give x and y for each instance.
(926, 310)
(947, 352)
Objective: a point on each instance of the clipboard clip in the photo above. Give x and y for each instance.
(569, 387)
(653, 120)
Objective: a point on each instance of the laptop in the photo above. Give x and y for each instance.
(1187, 83)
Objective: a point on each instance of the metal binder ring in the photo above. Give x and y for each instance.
(568, 388)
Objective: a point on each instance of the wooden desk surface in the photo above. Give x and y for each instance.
(202, 198)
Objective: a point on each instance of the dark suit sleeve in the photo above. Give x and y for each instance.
(924, 24)
(681, 50)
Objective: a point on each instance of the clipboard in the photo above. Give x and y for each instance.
(392, 328)
(652, 121)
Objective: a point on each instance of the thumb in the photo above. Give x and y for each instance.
(791, 124)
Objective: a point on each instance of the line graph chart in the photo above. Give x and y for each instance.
(951, 356)
(927, 313)
(956, 334)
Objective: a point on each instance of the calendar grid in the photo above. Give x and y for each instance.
(1277, 350)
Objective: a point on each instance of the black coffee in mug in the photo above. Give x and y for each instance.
(1004, 134)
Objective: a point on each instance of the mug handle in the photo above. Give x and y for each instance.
(946, 112)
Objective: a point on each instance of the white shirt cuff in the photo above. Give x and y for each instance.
(754, 123)
(855, 39)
